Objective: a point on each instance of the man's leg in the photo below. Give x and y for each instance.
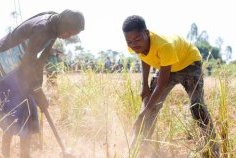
(147, 128)
(193, 84)
(25, 147)
(6, 145)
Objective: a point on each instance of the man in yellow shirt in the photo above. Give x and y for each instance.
(178, 61)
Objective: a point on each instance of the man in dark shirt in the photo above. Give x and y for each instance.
(21, 82)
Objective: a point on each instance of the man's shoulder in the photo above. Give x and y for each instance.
(32, 25)
(159, 39)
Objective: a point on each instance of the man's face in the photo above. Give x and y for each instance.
(68, 34)
(138, 41)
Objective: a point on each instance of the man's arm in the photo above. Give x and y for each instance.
(30, 64)
(42, 61)
(14, 38)
(38, 93)
(162, 82)
(145, 73)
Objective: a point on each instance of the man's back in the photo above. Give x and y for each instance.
(30, 36)
(34, 25)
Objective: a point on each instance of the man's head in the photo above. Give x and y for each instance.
(136, 34)
(70, 23)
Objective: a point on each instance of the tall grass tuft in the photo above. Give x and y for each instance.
(224, 120)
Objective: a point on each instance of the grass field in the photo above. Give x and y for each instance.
(94, 114)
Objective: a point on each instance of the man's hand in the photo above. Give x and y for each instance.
(40, 98)
(145, 92)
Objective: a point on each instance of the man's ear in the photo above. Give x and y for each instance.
(146, 34)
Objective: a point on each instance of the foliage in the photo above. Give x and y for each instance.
(73, 40)
(201, 40)
(59, 45)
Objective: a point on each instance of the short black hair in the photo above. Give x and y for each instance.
(134, 23)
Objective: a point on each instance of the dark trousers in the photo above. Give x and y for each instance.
(191, 78)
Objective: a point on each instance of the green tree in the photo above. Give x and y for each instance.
(193, 33)
(215, 53)
(219, 42)
(73, 40)
(59, 45)
(204, 48)
(202, 42)
(228, 53)
(203, 37)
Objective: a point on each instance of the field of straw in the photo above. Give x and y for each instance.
(94, 113)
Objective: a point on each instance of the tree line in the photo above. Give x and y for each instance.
(80, 59)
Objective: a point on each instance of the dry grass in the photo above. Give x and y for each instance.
(94, 114)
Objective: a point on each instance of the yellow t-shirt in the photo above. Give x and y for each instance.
(174, 51)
